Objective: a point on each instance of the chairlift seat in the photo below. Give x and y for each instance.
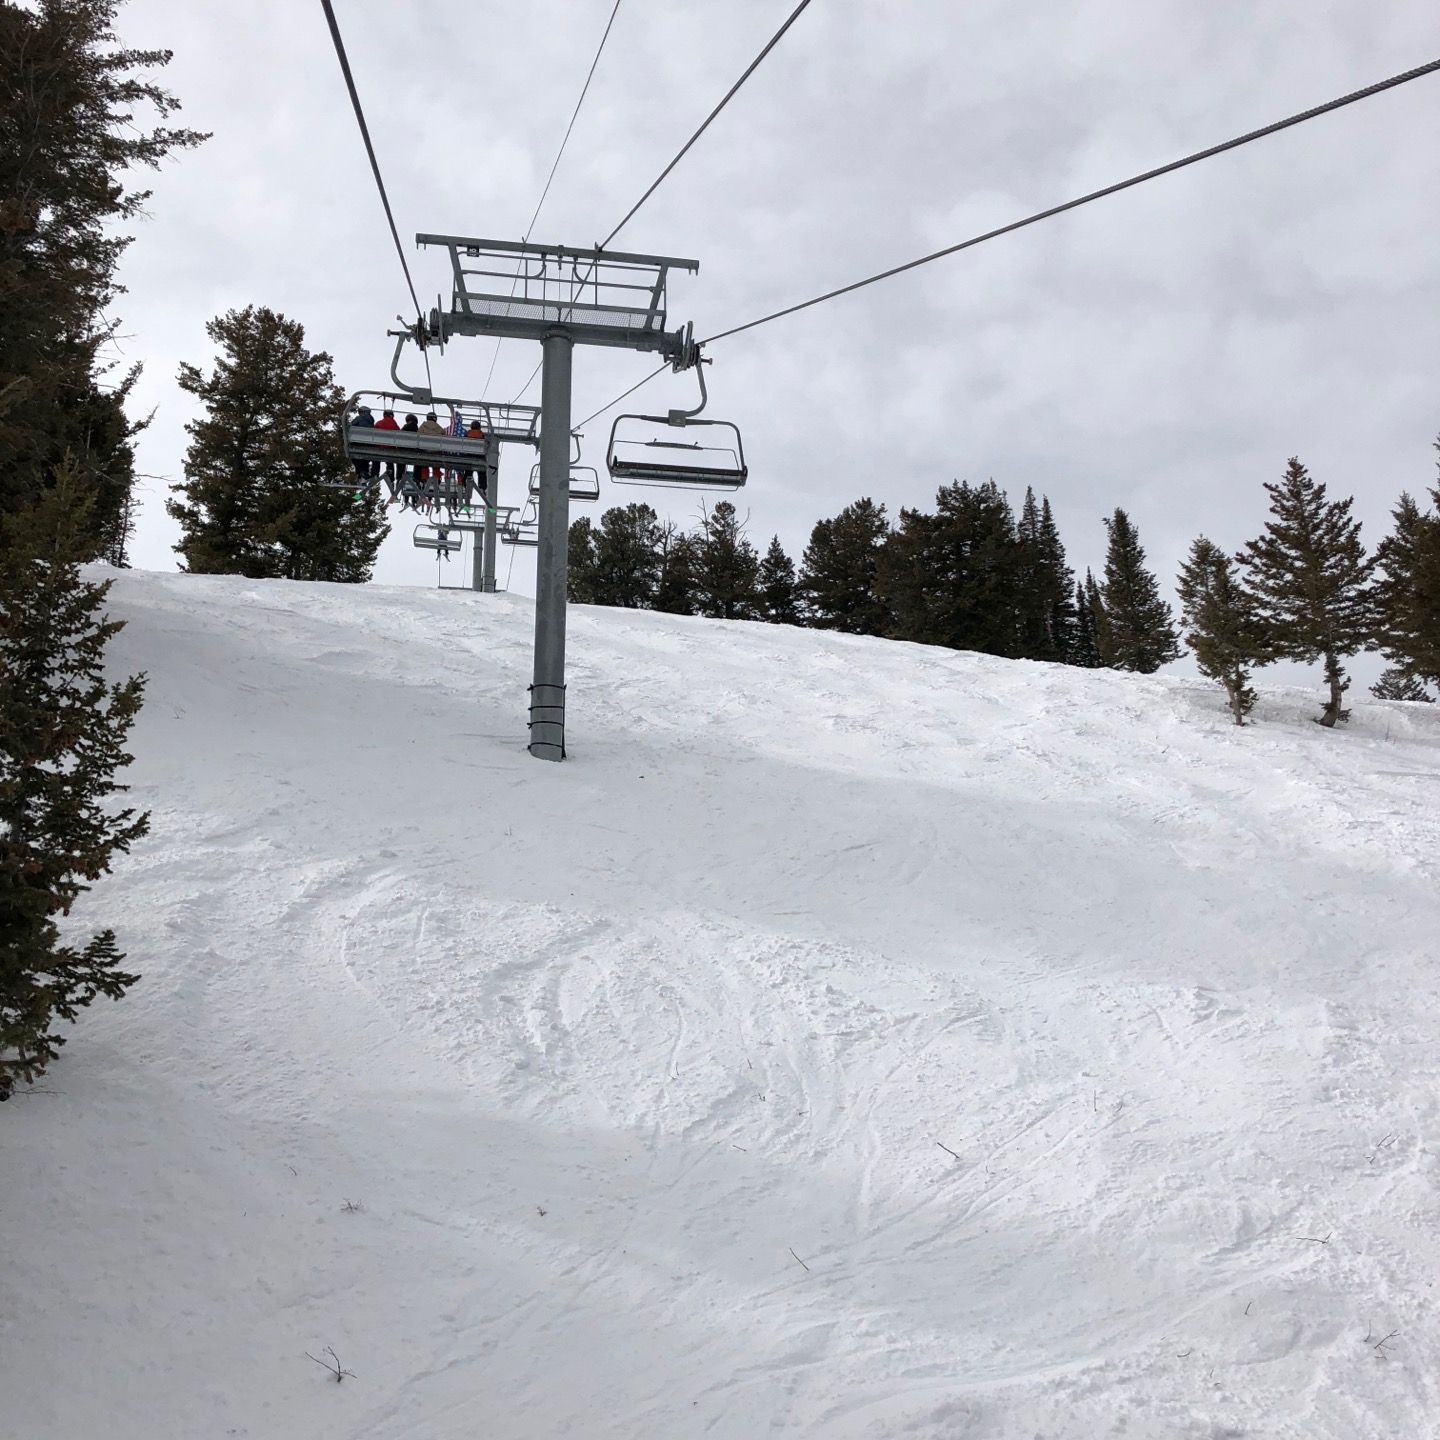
(436, 537)
(584, 483)
(642, 453)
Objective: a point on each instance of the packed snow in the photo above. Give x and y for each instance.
(851, 1039)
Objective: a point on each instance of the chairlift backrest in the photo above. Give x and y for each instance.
(645, 450)
(372, 443)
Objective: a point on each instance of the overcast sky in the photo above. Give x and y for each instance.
(1165, 350)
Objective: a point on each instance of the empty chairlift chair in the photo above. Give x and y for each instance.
(584, 483)
(647, 450)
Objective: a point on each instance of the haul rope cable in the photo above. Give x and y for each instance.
(1199, 155)
(574, 115)
(630, 214)
(375, 170)
(1054, 210)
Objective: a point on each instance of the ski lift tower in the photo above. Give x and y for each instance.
(562, 298)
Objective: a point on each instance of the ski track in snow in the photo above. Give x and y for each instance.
(641, 1067)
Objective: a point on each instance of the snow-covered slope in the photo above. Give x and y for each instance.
(851, 1039)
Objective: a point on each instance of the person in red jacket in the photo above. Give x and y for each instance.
(395, 472)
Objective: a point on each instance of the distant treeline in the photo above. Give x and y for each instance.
(972, 575)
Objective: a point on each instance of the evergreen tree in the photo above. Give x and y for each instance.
(776, 584)
(1057, 581)
(1398, 684)
(628, 557)
(1085, 647)
(838, 570)
(1137, 631)
(726, 566)
(580, 573)
(955, 577)
(1221, 626)
(1091, 630)
(1407, 597)
(676, 592)
(1311, 580)
(265, 471)
(62, 735)
(1045, 585)
(68, 133)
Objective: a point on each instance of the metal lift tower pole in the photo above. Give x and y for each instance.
(492, 500)
(547, 692)
(561, 297)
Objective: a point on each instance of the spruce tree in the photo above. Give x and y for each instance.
(1407, 596)
(69, 131)
(1045, 585)
(1311, 580)
(954, 578)
(62, 735)
(726, 567)
(1057, 584)
(675, 594)
(580, 571)
(1085, 642)
(265, 473)
(838, 570)
(628, 557)
(1397, 684)
(1099, 625)
(776, 586)
(1137, 631)
(1221, 626)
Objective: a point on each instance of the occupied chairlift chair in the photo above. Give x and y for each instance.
(439, 537)
(641, 451)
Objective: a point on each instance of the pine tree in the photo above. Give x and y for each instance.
(676, 594)
(581, 566)
(1137, 631)
(1057, 585)
(1221, 626)
(62, 735)
(1085, 647)
(726, 566)
(1407, 597)
(838, 570)
(68, 134)
(955, 577)
(265, 473)
(1398, 684)
(1045, 584)
(1311, 580)
(776, 585)
(628, 557)
(1090, 628)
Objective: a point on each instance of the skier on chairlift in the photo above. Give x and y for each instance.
(363, 419)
